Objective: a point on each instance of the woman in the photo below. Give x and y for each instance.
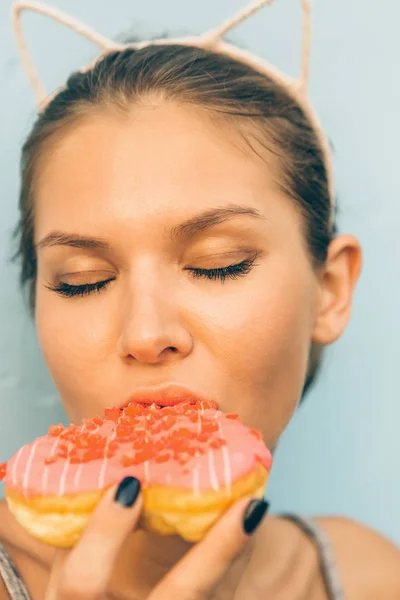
(176, 229)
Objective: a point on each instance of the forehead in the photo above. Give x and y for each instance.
(163, 160)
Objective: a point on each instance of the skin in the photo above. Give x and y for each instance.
(127, 181)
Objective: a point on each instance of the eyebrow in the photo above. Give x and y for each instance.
(185, 230)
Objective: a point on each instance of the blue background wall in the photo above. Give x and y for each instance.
(341, 451)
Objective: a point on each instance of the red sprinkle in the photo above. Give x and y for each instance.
(259, 459)
(128, 460)
(169, 421)
(82, 441)
(92, 454)
(113, 446)
(122, 431)
(3, 470)
(145, 454)
(62, 452)
(112, 414)
(129, 420)
(74, 456)
(182, 408)
(192, 451)
(209, 426)
(130, 410)
(55, 430)
(256, 433)
(184, 432)
(207, 404)
(69, 433)
(136, 458)
(218, 443)
(89, 425)
(163, 457)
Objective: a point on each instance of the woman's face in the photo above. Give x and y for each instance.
(155, 204)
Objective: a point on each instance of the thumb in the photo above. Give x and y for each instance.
(84, 571)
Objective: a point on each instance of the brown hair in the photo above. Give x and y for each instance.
(259, 108)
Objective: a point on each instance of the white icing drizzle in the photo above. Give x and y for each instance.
(14, 468)
(227, 470)
(199, 422)
(61, 487)
(46, 467)
(227, 463)
(100, 481)
(29, 464)
(102, 474)
(213, 474)
(196, 482)
(79, 469)
(78, 475)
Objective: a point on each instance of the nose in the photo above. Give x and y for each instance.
(152, 330)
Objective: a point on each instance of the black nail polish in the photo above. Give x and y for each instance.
(127, 492)
(255, 511)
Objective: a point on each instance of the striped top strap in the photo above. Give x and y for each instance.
(13, 582)
(330, 573)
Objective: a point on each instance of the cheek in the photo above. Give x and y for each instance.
(75, 350)
(261, 339)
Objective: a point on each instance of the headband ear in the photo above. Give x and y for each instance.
(213, 37)
(210, 39)
(57, 15)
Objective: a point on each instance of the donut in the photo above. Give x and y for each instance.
(193, 462)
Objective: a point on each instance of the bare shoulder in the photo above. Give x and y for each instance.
(368, 562)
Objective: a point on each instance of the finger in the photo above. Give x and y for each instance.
(197, 574)
(84, 571)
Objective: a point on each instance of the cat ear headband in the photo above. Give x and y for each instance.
(212, 40)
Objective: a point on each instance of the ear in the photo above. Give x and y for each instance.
(338, 278)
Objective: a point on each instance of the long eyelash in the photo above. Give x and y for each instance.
(229, 272)
(65, 289)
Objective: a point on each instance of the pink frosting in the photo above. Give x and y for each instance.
(28, 473)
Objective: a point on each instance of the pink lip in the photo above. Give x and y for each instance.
(165, 396)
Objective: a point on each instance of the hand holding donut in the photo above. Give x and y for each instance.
(84, 572)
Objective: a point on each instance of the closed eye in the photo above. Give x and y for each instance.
(230, 272)
(68, 290)
(222, 274)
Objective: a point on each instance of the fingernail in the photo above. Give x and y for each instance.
(127, 492)
(255, 511)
